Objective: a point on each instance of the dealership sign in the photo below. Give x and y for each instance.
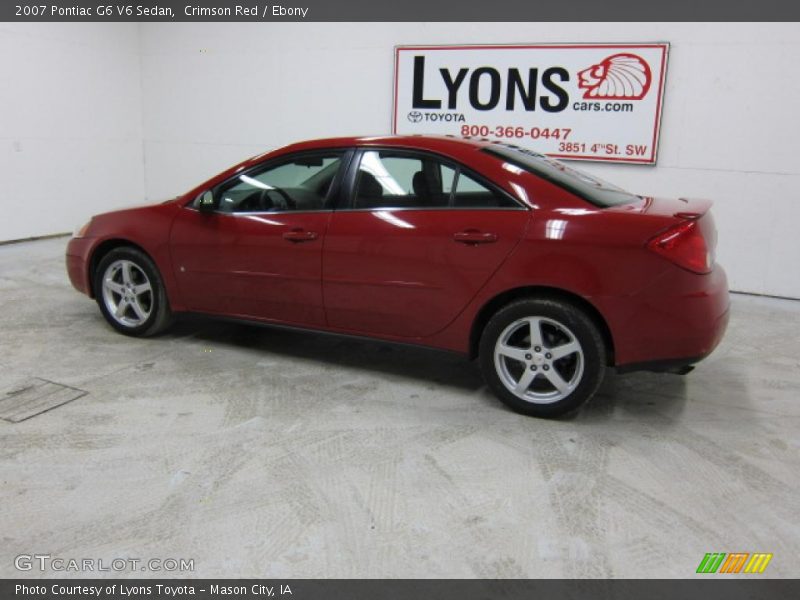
(576, 101)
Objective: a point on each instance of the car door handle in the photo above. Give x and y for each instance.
(300, 235)
(473, 236)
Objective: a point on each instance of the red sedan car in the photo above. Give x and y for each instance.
(546, 274)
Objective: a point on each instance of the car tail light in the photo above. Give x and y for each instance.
(686, 246)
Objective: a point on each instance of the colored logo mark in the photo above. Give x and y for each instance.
(617, 77)
(735, 562)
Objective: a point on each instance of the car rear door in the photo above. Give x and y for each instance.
(413, 243)
(258, 254)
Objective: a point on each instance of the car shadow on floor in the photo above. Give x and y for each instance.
(394, 360)
(632, 393)
(637, 393)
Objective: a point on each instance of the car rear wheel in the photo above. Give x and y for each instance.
(542, 357)
(130, 293)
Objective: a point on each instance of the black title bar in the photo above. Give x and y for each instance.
(405, 10)
(749, 587)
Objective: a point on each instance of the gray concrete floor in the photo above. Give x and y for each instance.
(267, 453)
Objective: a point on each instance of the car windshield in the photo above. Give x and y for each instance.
(592, 189)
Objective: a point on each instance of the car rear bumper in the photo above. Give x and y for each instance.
(77, 257)
(677, 320)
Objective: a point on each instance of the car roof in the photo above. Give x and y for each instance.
(422, 142)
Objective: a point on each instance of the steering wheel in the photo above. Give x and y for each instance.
(285, 201)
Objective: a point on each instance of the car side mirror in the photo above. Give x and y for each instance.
(205, 202)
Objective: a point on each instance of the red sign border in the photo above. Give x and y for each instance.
(663, 46)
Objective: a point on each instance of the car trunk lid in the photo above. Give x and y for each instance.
(679, 208)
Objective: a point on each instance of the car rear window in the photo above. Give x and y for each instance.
(590, 188)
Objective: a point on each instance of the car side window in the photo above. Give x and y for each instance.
(299, 184)
(389, 179)
(471, 194)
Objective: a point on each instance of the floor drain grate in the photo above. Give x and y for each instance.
(33, 397)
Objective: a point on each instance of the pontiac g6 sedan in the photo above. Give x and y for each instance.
(546, 274)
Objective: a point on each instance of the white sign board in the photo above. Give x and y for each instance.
(575, 101)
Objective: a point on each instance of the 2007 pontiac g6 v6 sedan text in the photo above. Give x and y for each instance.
(546, 274)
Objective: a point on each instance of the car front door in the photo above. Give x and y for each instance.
(413, 243)
(258, 254)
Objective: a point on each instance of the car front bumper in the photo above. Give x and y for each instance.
(77, 260)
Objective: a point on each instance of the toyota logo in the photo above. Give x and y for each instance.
(415, 116)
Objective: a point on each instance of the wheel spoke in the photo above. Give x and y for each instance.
(512, 352)
(126, 273)
(114, 286)
(142, 288)
(525, 382)
(535, 324)
(137, 308)
(565, 350)
(121, 308)
(555, 378)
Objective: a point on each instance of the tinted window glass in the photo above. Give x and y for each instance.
(299, 184)
(590, 188)
(389, 179)
(471, 194)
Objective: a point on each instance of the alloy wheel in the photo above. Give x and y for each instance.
(127, 293)
(539, 360)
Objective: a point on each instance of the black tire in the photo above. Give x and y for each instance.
(559, 324)
(153, 305)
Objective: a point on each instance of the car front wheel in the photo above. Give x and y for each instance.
(130, 293)
(542, 357)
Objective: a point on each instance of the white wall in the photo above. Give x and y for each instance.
(216, 93)
(212, 94)
(70, 124)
